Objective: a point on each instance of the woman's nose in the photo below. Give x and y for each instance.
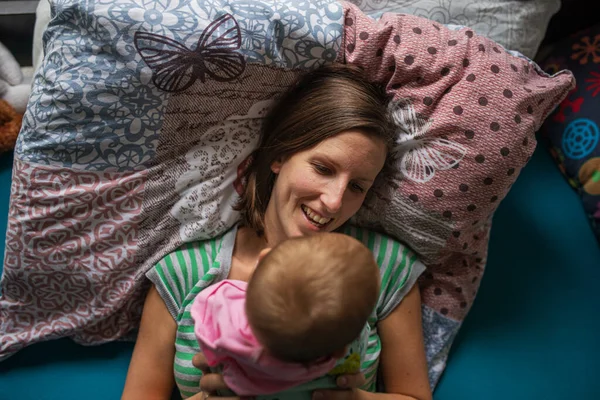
(333, 195)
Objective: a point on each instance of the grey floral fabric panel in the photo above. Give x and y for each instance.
(438, 333)
(99, 97)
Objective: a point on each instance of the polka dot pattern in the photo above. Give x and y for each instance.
(483, 106)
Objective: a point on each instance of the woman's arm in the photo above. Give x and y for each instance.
(150, 375)
(403, 363)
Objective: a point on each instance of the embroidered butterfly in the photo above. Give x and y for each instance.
(175, 67)
(419, 156)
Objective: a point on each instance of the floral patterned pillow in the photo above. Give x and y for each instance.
(573, 131)
(142, 113)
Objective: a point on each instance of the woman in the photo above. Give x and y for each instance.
(323, 147)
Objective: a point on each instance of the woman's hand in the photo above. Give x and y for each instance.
(210, 382)
(348, 388)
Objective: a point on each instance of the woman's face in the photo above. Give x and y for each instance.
(319, 189)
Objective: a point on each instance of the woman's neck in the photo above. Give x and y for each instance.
(248, 246)
(273, 233)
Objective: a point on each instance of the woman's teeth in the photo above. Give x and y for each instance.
(314, 216)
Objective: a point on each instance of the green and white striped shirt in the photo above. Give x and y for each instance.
(182, 274)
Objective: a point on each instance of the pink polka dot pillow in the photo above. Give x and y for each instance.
(466, 111)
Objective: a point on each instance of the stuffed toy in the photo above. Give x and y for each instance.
(15, 87)
(10, 125)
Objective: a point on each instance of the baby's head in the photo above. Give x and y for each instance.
(310, 297)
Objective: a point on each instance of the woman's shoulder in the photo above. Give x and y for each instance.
(204, 250)
(367, 236)
(182, 273)
(387, 250)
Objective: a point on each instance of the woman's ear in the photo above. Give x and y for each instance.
(276, 166)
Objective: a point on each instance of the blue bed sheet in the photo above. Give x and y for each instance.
(532, 332)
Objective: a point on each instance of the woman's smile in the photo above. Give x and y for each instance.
(315, 218)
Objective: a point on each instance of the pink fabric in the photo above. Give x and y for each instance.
(225, 338)
(466, 131)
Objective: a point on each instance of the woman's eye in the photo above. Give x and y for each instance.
(357, 188)
(322, 169)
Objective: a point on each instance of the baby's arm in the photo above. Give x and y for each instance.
(150, 374)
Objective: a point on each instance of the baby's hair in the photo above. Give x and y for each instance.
(311, 296)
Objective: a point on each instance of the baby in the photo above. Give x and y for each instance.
(305, 307)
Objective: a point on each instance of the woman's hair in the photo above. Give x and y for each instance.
(323, 103)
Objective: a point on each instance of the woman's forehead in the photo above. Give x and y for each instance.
(353, 139)
(352, 150)
(353, 143)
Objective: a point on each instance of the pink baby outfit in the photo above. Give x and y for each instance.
(225, 338)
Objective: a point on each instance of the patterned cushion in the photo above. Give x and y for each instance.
(143, 112)
(516, 25)
(573, 131)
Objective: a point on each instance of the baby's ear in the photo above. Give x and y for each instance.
(263, 253)
(341, 353)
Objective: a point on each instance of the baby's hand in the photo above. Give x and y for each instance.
(347, 384)
(210, 382)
